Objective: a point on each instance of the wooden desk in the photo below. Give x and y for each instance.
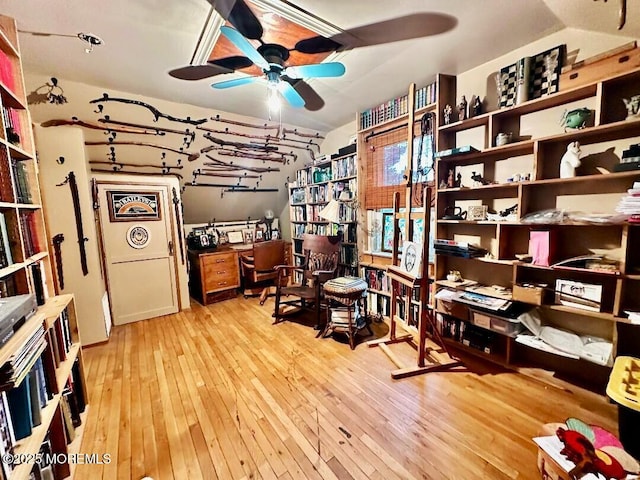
(214, 275)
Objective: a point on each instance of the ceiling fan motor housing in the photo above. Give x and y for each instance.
(274, 53)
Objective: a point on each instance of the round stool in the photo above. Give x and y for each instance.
(346, 291)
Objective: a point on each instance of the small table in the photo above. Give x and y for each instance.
(347, 291)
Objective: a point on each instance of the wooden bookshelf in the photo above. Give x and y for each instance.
(21, 207)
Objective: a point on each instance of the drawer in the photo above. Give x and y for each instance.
(216, 270)
(216, 281)
(227, 258)
(221, 282)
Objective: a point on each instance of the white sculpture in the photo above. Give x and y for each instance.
(570, 160)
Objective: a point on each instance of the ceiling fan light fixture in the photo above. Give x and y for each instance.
(273, 99)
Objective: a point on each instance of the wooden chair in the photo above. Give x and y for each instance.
(320, 263)
(259, 269)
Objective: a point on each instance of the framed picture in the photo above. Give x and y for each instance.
(235, 237)
(411, 259)
(477, 212)
(259, 235)
(133, 206)
(248, 236)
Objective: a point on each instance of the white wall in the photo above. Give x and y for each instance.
(581, 44)
(338, 138)
(201, 204)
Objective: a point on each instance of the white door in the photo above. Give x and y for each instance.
(139, 251)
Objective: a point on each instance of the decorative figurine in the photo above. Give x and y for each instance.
(447, 114)
(478, 179)
(633, 107)
(570, 160)
(477, 107)
(450, 181)
(576, 118)
(458, 182)
(462, 109)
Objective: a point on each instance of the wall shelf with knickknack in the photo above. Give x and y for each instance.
(483, 197)
(24, 259)
(314, 187)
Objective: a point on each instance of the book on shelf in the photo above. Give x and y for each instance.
(6, 258)
(7, 73)
(7, 437)
(19, 400)
(21, 174)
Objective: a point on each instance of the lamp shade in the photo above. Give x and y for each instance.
(331, 212)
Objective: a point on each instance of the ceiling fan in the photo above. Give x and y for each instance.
(271, 57)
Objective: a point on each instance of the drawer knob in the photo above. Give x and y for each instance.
(222, 283)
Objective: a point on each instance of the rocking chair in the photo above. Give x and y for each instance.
(320, 263)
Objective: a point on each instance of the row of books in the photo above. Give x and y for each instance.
(376, 279)
(12, 125)
(21, 175)
(348, 255)
(17, 367)
(298, 214)
(313, 213)
(303, 178)
(298, 230)
(7, 72)
(345, 167)
(349, 233)
(350, 185)
(6, 182)
(378, 304)
(298, 195)
(21, 411)
(466, 333)
(8, 287)
(398, 106)
(457, 249)
(317, 194)
(30, 236)
(6, 257)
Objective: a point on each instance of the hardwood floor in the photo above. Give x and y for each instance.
(220, 392)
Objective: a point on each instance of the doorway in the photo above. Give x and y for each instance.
(139, 251)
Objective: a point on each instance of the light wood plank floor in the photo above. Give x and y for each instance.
(220, 392)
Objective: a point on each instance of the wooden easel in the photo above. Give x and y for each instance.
(431, 356)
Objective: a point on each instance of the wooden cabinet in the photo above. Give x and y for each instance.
(24, 254)
(214, 275)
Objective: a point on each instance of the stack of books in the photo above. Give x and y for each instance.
(458, 249)
(630, 204)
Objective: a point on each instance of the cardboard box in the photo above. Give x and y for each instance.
(605, 65)
(532, 295)
(454, 309)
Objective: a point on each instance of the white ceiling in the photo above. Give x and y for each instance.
(144, 39)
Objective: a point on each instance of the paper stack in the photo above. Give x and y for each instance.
(630, 204)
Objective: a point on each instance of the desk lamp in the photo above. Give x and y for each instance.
(268, 220)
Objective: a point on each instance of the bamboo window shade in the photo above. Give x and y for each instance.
(378, 191)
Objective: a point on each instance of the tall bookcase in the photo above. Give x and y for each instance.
(24, 258)
(525, 174)
(314, 187)
(42, 387)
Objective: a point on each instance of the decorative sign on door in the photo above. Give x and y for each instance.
(133, 206)
(138, 236)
